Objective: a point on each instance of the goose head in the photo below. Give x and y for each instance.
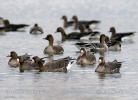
(101, 61)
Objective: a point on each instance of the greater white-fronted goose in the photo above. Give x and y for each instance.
(118, 36)
(14, 56)
(108, 67)
(94, 47)
(60, 65)
(72, 35)
(36, 29)
(25, 63)
(86, 58)
(113, 45)
(3, 30)
(52, 49)
(66, 23)
(94, 34)
(1, 22)
(77, 22)
(14, 27)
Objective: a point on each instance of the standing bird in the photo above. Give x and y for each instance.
(66, 23)
(108, 67)
(86, 58)
(36, 29)
(119, 36)
(52, 49)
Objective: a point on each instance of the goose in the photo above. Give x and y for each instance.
(73, 35)
(108, 67)
(25, 63)
(60, 65)
(36, 29)
(66, 23)
(14, 27)
(94, 34)
(14, 56)
(113, 45)
(118, 36)
(52, 49)
(94, 47)
(86, 58)
(1, 21)
(3, 30)
(77, 22)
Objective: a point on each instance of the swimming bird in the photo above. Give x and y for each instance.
(94, 34)
(94, 47)
(77, 22)
(108, 67)
(86, 58)
(118, 36)
(25, 64)
(59, 65)
(14, 56)
(66, 23)
(72, 35)
(14, 27)
(51, 48)
(36, 29)
(113, 45)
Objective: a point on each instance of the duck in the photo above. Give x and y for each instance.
(14, 27)
(113, 45)
(119, 36)
(108, 67)
(59, 65)
(72, 35)
(36, 29)
(66, 23)
(86, 58)
(13, 60)
(83, 22)
(94, 47)
(52, 49)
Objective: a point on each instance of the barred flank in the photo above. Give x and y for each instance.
(59, 64)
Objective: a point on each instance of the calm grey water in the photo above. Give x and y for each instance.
(78, 83)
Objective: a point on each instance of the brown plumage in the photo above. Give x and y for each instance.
(86, 58)
(14, 56)
(13, 60)
(36, 29)
(25, 64)
(66, 23)
(60, 65)
(118, 36)
(77, 22)
(52, 49)
(108, 67)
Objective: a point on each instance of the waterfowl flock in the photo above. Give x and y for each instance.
(87, 49)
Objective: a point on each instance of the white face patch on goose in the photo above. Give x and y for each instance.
(99, 61)
(32, 61)
(81, 51)
(17, 59)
